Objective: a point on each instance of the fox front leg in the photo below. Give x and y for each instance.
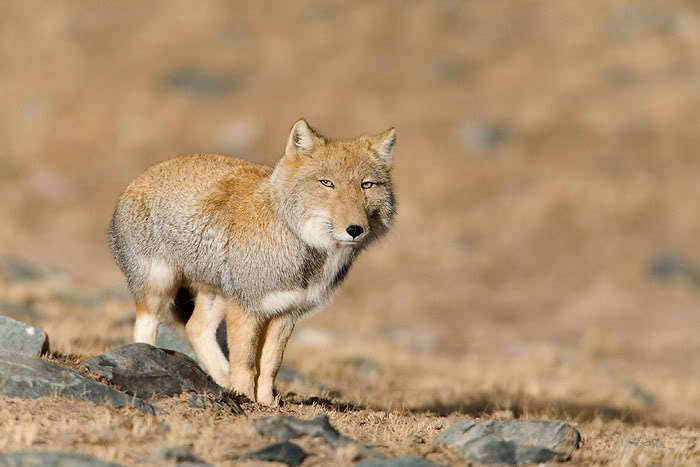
(272, 347)
(243, 332)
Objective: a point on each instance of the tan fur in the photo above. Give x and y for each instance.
(255, 245)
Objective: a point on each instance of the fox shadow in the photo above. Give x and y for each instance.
(520, 405)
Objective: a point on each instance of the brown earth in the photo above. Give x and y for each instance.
(545, 258)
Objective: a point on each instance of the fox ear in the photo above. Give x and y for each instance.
(383, 144)
(301, 138)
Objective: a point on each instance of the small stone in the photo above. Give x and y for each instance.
(633, 22)
(403, 461)
(455, 433)
(50, 459)
(512, 442)
(448, 69)
(18, 270)
(642, 395)
(286, 427)
(19, 337)
(178, 455)
(147, 371)
(30, 378)
(224, 401)
(289, 375)
(481, 136)
(199, 83)
(362, 365)
(667, 266)
(284, 452)
(168, 340)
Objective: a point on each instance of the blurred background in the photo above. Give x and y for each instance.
(546, 168)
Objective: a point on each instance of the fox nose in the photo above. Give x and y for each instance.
(354, 230)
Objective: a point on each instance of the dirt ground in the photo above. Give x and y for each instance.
(546, 256)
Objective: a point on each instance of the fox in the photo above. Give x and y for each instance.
(258, 247)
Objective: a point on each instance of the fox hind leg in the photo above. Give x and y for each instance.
(146, 325)
(209, 310)
(155, 299)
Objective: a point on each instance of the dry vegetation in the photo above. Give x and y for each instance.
(544, 263)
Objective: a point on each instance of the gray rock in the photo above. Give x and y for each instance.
(16, 269)
(403, 461)
(200, 83)
(50, 459)
(362, 365)
(288, 375)
(284, 452)
(450, 69)
(30, 378)
(454, 434)
(286, 427)
(168, 340)
(481, 136)
(512, 442)
(19, 337)
(177, 455)
(633, 22)
(639, 393)
(224, 401)
(668, 266)
(147, 371)
(506, 452)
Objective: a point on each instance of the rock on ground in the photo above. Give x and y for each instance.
(512, 442)
(289, 375)
(50, 459)
(225, 401)
(168, 340)
(362, 365)
(30, 378)
(176, 455)
(286, 427)
(19, 337)
(147, 371)
(284, 452)
(16, 269)
(402, 461)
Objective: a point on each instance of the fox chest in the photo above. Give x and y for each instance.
(318, 291)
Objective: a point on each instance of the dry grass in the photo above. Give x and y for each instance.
(393, 400)
(546, 165)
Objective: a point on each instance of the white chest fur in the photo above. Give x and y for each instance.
(317, 293)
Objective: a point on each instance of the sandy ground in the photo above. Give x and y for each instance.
(545, 257)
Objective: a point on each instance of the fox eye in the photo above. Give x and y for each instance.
(327, 183)
(367, 185)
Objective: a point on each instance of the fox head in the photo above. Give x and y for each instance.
(336, 193)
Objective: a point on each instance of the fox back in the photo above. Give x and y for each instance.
(274, 239)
